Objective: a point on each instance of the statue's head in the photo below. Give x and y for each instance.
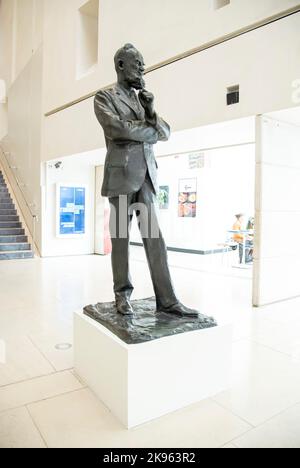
(130, 67)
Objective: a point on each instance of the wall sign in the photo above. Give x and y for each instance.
(196, 160)
(71, 210)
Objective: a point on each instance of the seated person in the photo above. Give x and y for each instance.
(239, 238)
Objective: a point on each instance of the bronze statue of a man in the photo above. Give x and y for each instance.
(131, 127)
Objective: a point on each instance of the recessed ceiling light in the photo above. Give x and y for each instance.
(63, 346)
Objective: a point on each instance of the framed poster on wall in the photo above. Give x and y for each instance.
(187, 198)
(71, 210)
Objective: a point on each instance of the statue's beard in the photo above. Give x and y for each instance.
(136, 81)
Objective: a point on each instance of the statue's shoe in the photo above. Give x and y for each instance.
(180, 310)
(123, 306)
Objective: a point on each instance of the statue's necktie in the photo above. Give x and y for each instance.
(134, 101)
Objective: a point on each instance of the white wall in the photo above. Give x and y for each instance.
(87, 38)
(264, 63)
(3, 121)
(6, 20)
(21, 34)
(192, 92)
(225, 186)
(161, 30)
(78, 171)
(24, 140)
(21, 66)
(233, 132)
(73, 130)
(6, 40)
(278, 210)
(28, 32)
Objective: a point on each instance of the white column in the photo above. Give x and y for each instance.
(277, 253)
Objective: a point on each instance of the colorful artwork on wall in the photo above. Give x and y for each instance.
(187, 198)
(71, 210)
(164, 197)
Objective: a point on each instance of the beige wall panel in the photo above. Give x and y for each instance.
(24, 33)
(192, 92)
(3, 121)
(21, 34)
(74, 130)
(38, 27)
(161, 29)
(6, 40)
(25, 132)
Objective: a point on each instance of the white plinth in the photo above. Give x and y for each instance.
(142, 382)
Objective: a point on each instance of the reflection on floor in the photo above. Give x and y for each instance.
(225, 264)
(44, 404)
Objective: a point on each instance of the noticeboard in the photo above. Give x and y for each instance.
(71, 210)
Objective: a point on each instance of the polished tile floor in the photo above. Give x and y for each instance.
(44, 404)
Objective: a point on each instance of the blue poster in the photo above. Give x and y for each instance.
(71, 210)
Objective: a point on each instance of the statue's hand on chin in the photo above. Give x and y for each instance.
(147, 101)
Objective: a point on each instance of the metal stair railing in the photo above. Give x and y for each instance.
(20, 186)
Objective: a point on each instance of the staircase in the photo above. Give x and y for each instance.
(13, 242)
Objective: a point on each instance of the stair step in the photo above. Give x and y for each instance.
(10, 224)
(7, 206)
(13, 239)
(15, 247)
(9, 218)
(16, 255)
(7, 212)
(6, 201)
(12, 232)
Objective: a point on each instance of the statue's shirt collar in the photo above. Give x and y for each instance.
(129, 93)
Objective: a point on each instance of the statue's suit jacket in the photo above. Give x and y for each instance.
(129, 139)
